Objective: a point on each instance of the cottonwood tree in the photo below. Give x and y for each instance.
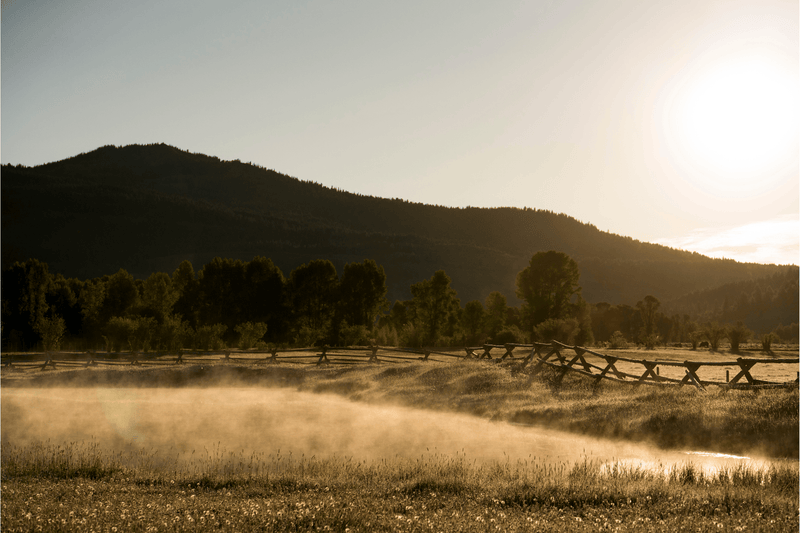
(121, 295)
(436, 306)
(222, 292)
(496, 311)
(24, 302)
(266, 296)
(714, 333)
(159, 296)
(313, 289)
(52, 331)
(647, 311)
(547, 285)
(362, 293)
(473, 321)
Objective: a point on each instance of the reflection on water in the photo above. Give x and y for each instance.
(251, 420)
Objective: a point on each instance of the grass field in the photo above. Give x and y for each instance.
(80, 488)
(86, 487)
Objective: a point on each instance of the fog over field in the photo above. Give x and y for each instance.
(184, 422)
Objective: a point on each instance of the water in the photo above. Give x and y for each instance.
(270, 420)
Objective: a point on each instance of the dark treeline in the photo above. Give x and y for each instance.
(226, 303)
(251, 304)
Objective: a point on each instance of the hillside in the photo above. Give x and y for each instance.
(147, 208)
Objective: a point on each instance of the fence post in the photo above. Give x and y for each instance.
(509, 348)
(374, 357)
(691, 375)
(427, 354)
(486, 352)
(649, 366)
(322, 357)
(274, 356)
(745, 365)
(609, 366)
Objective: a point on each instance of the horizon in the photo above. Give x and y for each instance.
(637, 119)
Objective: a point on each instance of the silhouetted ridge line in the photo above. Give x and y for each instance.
(147, 207)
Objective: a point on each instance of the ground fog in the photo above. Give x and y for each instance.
(185, 423)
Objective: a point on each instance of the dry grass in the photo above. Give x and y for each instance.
(80, 488)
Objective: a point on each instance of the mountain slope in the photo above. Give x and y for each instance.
(146, 208)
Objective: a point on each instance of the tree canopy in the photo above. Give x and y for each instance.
(547, 284)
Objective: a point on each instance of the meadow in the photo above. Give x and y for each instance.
(88, 486)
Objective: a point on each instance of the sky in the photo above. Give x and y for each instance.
(673, 122)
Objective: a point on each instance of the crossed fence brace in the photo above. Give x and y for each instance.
(543, 352)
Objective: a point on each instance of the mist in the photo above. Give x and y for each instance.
(180, 422)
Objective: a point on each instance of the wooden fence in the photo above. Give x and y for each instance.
(554, 355)
(611, 367)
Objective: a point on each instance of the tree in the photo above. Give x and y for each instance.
(362, 293)
(647, 311)
(222, 292)
(188, 289)
(714, 333)
(617, 341)
(52, 330)
(436, 306)
(473, 321)
(91, 300)
(496, 311)
(547, 284)
(159, 296)
(121, 295)
(24, 303)
(266, 296)
(313, 289)
(766, 341)
(737, 335)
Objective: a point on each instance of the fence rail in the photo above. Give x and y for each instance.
(554, 355)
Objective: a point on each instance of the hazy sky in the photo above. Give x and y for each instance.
(671, 121)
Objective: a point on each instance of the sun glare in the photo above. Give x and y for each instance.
(735, 123)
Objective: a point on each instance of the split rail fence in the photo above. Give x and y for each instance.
(560, 358)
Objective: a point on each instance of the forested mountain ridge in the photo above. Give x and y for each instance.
(146, 208)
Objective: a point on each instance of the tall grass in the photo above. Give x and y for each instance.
(586, 479)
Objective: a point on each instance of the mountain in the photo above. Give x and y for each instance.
(145, 208)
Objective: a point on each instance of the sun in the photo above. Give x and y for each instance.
(735, 123)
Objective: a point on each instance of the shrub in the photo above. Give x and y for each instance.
(510, 335)
(767, 340)
(250, 333)
(119, 332)
(737, 335)
(210, 337)
(353, 335)
(650, 341)
(386, 335)
(52, 330)
(695, 337)
(714, 333)
(557, 329)
(617, 341)
(411, 336)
